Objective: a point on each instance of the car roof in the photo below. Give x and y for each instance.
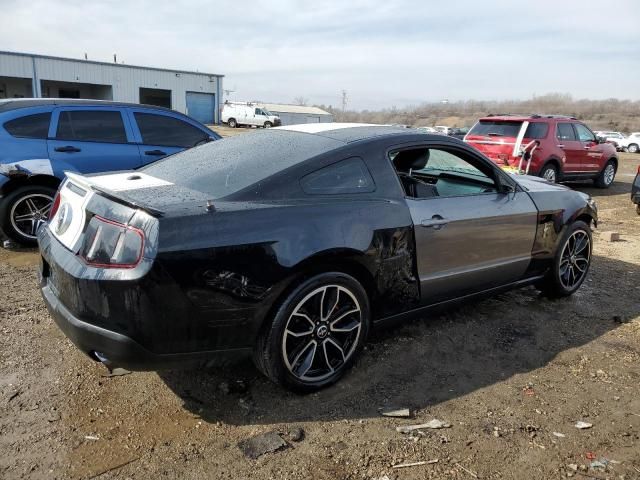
(510, 117)
(18, 103)
(349, 132)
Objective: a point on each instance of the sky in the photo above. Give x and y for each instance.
(391, 53)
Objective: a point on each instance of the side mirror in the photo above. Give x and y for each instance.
(601, 140)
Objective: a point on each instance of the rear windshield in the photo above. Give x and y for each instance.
(227, 166)
(504, 128)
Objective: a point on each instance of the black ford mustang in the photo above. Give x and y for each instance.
(292, 243)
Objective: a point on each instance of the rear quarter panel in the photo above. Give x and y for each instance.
(235, 265)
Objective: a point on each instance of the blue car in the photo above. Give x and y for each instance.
(40, 139)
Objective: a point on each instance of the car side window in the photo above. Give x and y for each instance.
(29, 126)
(439, 172)
(565, 132)
(347, 176)
(166, 131)
(584, 134)
(91, 126)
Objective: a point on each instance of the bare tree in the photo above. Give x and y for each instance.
(302, 101)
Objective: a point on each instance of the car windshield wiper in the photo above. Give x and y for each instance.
(494, 134)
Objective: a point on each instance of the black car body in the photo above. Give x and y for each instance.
(209, 248)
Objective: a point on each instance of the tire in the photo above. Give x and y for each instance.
(559, 281)
(232, 123)
(23, 211)
(549, 172)
(607, 175)
(633, 148)
(301, 349)
(268, 124)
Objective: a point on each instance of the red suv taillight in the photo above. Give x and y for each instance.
(110, 244)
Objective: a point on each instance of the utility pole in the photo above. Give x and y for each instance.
(344, 100)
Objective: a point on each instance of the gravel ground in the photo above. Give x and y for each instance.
(505, 374)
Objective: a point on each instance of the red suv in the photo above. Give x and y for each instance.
(559, 148)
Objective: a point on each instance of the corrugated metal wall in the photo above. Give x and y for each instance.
(126, 81)
(289, 118)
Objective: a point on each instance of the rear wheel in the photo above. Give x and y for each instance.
(571, 262)
(24, 211)
(316, 334)
(549, 172)
(232, 123)
(633, 148)
(606, 176)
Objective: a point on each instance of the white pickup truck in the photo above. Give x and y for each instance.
(238, 114)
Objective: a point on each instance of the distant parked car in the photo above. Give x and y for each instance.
(239, 114)
(566, 149)
(442, 129)
(426, 130)
(632, 143)
(614, 138)
(41, 139)
(458, 132)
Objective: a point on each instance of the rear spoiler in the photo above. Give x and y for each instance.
(115, 195)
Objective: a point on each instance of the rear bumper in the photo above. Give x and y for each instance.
(120, 350)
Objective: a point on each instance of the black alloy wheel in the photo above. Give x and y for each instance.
(316, 334)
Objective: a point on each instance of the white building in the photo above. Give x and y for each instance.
(194, 93)
(295, 114)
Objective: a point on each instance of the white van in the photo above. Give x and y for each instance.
(238, 114)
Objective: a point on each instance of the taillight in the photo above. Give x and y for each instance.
(55, 205)
(110, 244)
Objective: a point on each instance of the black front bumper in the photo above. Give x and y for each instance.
(120, 350)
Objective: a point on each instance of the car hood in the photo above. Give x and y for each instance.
(537, 184)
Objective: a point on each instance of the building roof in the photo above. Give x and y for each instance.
(108, 64)
(284, 108)
(7, 104)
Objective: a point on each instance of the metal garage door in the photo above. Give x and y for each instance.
(201, 106)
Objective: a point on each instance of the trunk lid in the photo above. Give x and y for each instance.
(497, 139)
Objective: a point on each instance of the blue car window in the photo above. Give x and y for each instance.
(29, 126)
(91, 126)
(166, 131)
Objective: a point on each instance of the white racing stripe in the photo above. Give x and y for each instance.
(120, 182)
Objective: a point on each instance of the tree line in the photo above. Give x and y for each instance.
(610, 114)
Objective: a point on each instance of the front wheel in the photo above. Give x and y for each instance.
(232, 123)
(24, 211)
(268, 125)
(571, 262)
(633, 148)
(549, 172)
(606, 176)
(316, 334)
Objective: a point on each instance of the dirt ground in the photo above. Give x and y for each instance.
(505, 373)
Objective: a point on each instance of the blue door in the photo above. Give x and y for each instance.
(92, 139)
(201, 106)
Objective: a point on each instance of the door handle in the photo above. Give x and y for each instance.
(436, 222)
(560, 145)
(155, 152)
(67, 149)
